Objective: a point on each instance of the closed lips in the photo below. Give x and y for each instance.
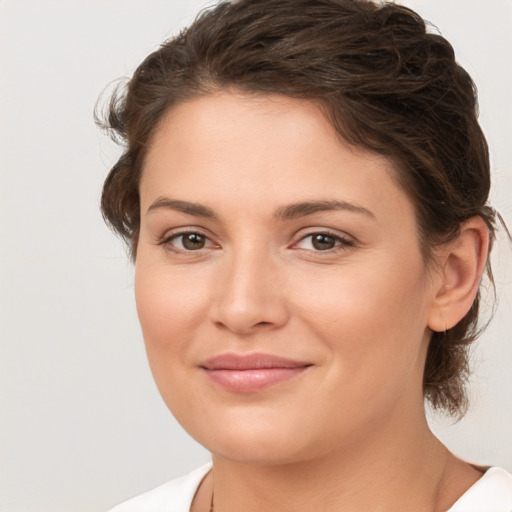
(251, 373)
(250, 362)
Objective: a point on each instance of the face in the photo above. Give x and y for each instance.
(279, 281)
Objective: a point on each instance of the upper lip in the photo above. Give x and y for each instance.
(231, 361)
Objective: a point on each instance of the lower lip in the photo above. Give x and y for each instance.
(249, 381)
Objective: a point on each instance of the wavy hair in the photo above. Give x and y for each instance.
(383, 79)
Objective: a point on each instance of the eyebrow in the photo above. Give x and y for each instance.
(296, 210)
(195, 209)
(291, 211)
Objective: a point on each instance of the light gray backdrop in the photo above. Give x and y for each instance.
(81, 423)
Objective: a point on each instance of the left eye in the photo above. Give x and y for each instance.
(193, 241)
(322, 242)
(188, 241)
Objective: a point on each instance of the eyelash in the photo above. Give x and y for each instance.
(166, 241)
(341, 242)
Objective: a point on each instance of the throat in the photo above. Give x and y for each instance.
(435, 484)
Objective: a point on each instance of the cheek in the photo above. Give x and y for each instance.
(170, 306)
(368, 315)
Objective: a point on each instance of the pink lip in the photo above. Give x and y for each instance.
(252, 372)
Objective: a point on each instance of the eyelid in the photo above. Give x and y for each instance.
(166, 239)
(344, 239)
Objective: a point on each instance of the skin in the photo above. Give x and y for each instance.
(349, 433)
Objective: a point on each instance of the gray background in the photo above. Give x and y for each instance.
(81, 423)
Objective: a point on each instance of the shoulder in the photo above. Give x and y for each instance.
(492, 493)
(173, 496)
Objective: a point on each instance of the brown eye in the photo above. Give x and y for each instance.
(323, 242)
(187, 242)
(193, 241)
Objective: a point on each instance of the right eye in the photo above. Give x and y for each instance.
(187, 241)
(190, 241)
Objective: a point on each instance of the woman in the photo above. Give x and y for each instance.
(304, 193)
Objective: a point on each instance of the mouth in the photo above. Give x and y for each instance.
(252, 372)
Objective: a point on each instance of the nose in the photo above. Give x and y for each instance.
(249, 297)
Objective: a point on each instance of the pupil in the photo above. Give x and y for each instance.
(193, 241)
(323, 242)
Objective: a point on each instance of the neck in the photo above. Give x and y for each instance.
(410, 473)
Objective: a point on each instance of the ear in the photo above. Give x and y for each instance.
(462, 263)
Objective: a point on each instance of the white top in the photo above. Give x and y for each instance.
(492, 493)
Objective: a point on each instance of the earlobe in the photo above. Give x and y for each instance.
(462, 265)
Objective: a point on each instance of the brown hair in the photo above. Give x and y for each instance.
(385, 83)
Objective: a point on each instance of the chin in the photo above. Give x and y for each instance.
(260, 439)
(257, 450)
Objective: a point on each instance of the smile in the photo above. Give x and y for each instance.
(251, 373)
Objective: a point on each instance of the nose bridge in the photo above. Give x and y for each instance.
(248, 296)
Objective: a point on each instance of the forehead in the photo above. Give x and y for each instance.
(254, 149)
